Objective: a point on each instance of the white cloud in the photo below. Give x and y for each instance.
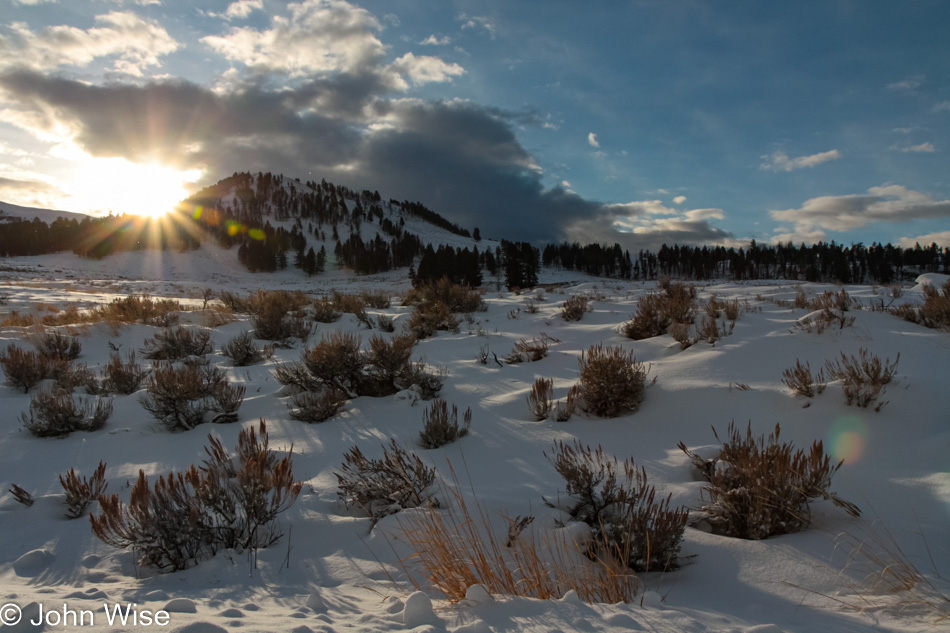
(890, 203)
(779, 161)
(243, 8)
(941, 238)
(640, 208)
(906, 85)
(320, 36)
(942, 107)
(432, 40)
(478, 21)
(704, 214)
(927, 148)
(136, 43)
(426, 69)
(592, 140)
(679, 199)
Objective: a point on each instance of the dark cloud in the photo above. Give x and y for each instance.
(35, 192)
(458, 158)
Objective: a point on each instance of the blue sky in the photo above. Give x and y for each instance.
(637, 122)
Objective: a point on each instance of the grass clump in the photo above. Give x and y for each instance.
(440, 427)
(763, 487)
(862, 377)
(628, 522)
(541, 398)
(801, 381)
(612, 382)
(81, 492)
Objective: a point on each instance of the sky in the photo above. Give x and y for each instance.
(641, 123)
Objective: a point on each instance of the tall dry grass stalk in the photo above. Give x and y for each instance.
(889, 580)
(456, 549)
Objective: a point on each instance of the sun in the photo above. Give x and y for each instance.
(116, 185)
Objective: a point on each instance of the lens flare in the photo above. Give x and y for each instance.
(847, 438)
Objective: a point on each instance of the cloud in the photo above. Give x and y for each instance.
(135, 43)
(320, 36)
(592, 140)
(679, 199)
(779, 161)
(432, 40)
(927, 148)
(941, 238)
(705, 214)
(426, 69)
(942, 107)
(243, 8)
(890, 203)
(478, 22)
(907, 85)
(29, 193)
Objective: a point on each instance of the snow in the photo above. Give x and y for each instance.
(331, 572)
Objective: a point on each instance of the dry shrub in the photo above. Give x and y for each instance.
(385, 323)
(629, 523)
(177, 343)
(351, 304)
(681, 333)
(278, 315)
(56, 346)
(55, 413)
(563, 412)
(863, 377)
(243, 351)
(760, 488)
(439, 427)
(388, 360)
(317, 405)
(423, 381)
(530, 306)
(834, 308)
(139, 309)
(801, 299)
(458, 299)
(541, 398)
(23, 369)
(378, 299)
(123, 377)
(336, 361)
(612, 382)
(181, 398)
(658, 311)
(575, 307)
(297, 377)
(324, 311)
(380, 487)
(230, 502)
(528, 351)
(935, 312)
(429, 317)
(455, 550)
(22, 496)
(80, 492)
(800, 380)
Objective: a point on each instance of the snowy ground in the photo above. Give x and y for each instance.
(332, 573)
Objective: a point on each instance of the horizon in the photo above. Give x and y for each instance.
(633, 123)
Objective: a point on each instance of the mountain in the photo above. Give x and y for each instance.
(9, 211)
